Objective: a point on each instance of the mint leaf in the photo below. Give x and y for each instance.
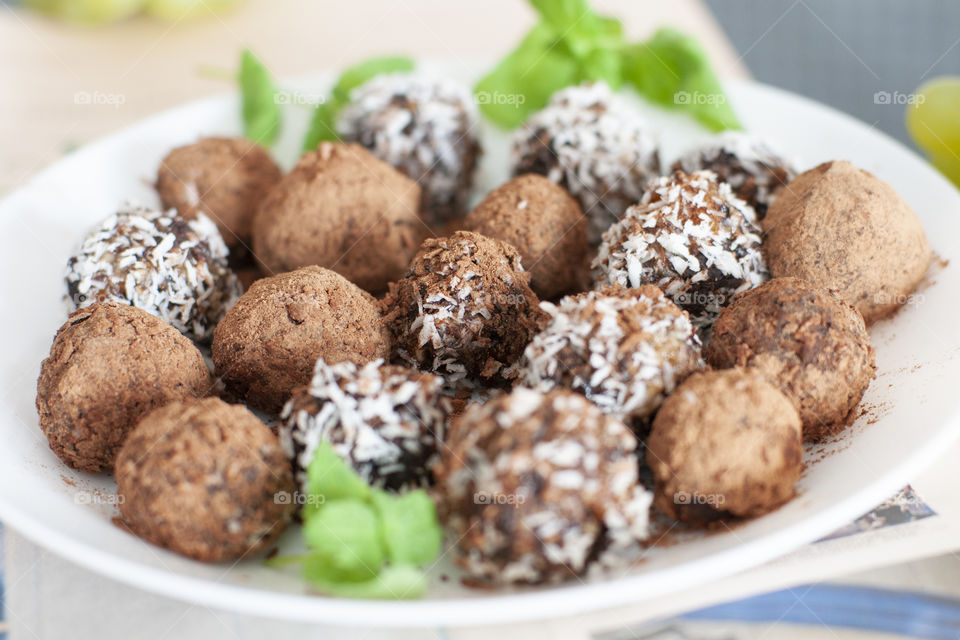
(408, 526)
(344, 543)
(330, 478)
(259, 105)
(323, 125)
(393, 583)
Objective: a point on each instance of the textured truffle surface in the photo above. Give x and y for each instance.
(343, 209)
(175, 269)
(464, 310)
(691, 237)
(386, 421)
(539, 487)
(592, 145)
(205, 479)
(624, 349)
(545, 224)
(749, 165)
(109, 365)
(426, 128)
(725, 443)
(843, 229)
(269, 341)
(224, 178)
(804, 340)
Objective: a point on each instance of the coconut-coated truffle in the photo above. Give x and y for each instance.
(691, 237)
(424, 127)
(205, 479)
(109, 365)
(540, 487)
(386, 421)
(545, 224)
(464, 310)
(343, 209)
(175, 269)
(843, 229)
(224, 178)
(804, 340)
(748, 164)
(724, 444)
(595, 147)
(268, 343)
(624, 349)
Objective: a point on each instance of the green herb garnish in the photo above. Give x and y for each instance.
(364, 542)
(261, 108)
(324, 121)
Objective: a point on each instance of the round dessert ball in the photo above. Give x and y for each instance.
(540, 487)
(464, 310)
(343, 209)
(109, 365)
(423, 127)
(749, 165)
(624, 349)
(843, 229)
(804, 340)
(691, 237)
(205, 479)
(724, 444)
(224, 178)
(545, 224)
(592, 145)
(268, 343)
(175, 269)
(386, 421)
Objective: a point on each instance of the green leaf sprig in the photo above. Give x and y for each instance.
(572, 44)
(260, 104)
(364, 542)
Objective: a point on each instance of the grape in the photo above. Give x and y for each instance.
(174, 10)
(933, 123)
(92, 12)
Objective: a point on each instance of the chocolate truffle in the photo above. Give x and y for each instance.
(749, 165)
(224, 178)
(624, 349)
(843, 229)
(386, 421)
(423, 127)
(724, 444)
(464, 310)
(691, 237)
(804, 340)
(108, 366)
(268, 343)
(594, 146)
(540, 487)
(545, 224)
(175, 269)
(343, 209)
(205, 479)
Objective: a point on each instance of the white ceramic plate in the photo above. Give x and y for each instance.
(912, 405)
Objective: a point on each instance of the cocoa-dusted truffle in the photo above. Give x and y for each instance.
(464, 310)
(843, 229)
(749, 165)
(109, 365)
(691, 237)
(624, 349)
(205, 479)
(424, 127)
(804, 340)
(224, 178)
(724, 444)
(175, 269)
(545, 224)
(270, 340)
(540, 487)
(386, 421)
(594, 146)
(343, 209)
